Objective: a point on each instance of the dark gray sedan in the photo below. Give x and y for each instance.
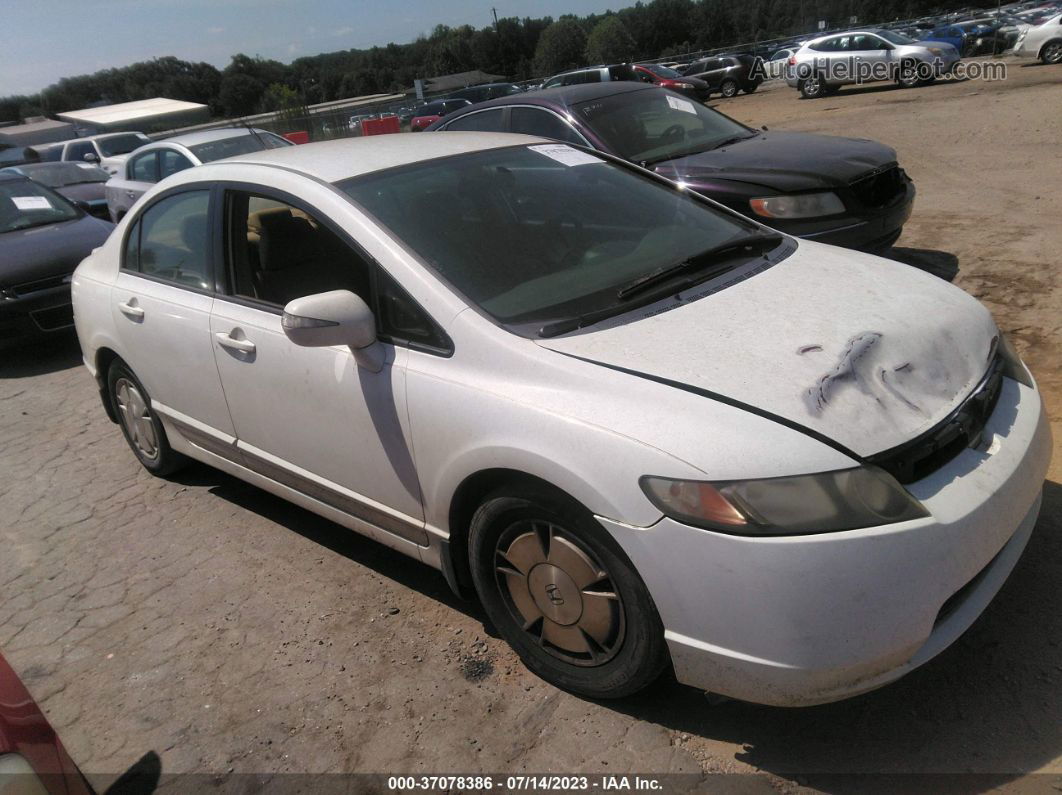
(43, 237)
(81, 183)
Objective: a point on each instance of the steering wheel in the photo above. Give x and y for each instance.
(674, 133)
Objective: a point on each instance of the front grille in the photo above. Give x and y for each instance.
(962, 428)
(55, 318)
(880, 188)
(41, 284)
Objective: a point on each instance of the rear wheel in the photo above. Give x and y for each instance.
(139, 423)
(1051, 52)
(729, 88)
(564, 596)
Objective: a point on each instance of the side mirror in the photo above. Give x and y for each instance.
(337, 317)
(91, 157)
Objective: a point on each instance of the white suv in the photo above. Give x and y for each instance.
(643, 429)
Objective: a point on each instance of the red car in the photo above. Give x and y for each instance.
(669, 78)
(433, 111)
(32, 758)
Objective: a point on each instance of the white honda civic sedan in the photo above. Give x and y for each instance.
(644, 430)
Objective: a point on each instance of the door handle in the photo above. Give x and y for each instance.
(227, 341)
(131, 310)
(131, 194)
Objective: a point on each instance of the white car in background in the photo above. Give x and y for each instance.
(642, 428)
(107, 150)
(152, 163)
(1043, 42)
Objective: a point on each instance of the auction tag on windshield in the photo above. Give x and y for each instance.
(32, 202)
(563, 153)
(678, 103)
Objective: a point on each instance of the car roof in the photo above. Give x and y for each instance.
(344, 158)
(208, 136)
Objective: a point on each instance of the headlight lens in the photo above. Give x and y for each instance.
(1013, 367)
(800, 505)
(804, 205)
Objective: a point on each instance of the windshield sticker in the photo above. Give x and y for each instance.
(32, 202)
(678, 103)
(563, 153)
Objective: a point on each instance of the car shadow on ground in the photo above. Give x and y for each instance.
(986, 711)
(939, 263)
(887, 86)
(40, 357)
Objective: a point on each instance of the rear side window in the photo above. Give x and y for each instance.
(484, 121)
(172, 240)
(532, 121)
(144, 168)
(170, 162)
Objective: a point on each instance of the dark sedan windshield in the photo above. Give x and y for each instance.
(654, 125)
(237, 145)
(59, 175)
(122, 144)
(543, 232)
(24, 204)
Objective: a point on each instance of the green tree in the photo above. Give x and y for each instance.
(560, 47)
(240, 94)
(609, 42)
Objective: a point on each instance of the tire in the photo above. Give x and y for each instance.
(140, 424)
(908, 76)
(537, 560)
(1051, 53)
(728, 88)
(813, 87)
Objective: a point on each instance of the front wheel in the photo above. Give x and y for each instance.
(729, 88)
(813, 87)
(909, 77)
(562, 593)
(1052, 52)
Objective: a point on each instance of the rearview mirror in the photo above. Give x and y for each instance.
(338, 317)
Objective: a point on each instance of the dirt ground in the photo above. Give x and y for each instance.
(233, 633)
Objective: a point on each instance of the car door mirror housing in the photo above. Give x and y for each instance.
(91, 158)
(338, 317)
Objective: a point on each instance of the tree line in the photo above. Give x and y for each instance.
(519, 49)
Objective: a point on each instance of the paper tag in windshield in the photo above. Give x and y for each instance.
(678, 103)
(31, 202)
(565, 154)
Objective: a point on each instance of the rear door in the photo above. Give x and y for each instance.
(139, 173)
(161, 304)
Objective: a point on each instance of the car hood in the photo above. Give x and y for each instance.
(39, 252)
(865, 351)
(786, 161)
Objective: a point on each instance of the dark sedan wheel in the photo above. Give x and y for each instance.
(564, 596)
(140, 424)
(1052, 52)
(729, 88)
(812, 87)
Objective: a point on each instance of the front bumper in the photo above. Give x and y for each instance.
(35, 314)
(804, 620)
(871, 230)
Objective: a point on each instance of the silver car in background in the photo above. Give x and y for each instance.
(154, 162)
(825, 64)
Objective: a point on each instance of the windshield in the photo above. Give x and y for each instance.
(121, 144)
(24, 204)
(895, 38)
(237, 145)
(662, 71)
(654, 125)
(540, 233)
(58, 175)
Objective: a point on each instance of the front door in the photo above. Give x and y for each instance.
(310, 418)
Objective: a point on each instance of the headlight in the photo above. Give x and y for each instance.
(1012, 363)
(803, 205)
(803, 504)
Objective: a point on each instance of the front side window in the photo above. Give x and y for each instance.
(532, 121)
(532, 234)
(483, 121)
(144, 168)
(174, 240)
(651, 126)
(79, 150)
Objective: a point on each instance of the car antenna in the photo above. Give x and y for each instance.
(255, 133)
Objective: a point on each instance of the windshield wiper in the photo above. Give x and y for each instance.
(733, 139)
(758, 242)
(641, 287)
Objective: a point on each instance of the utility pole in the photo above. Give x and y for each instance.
(495, 12)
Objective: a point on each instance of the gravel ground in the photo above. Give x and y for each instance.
(232, 633)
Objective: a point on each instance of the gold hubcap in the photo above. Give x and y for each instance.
(559, 593)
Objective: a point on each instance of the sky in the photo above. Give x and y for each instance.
(44, 40)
